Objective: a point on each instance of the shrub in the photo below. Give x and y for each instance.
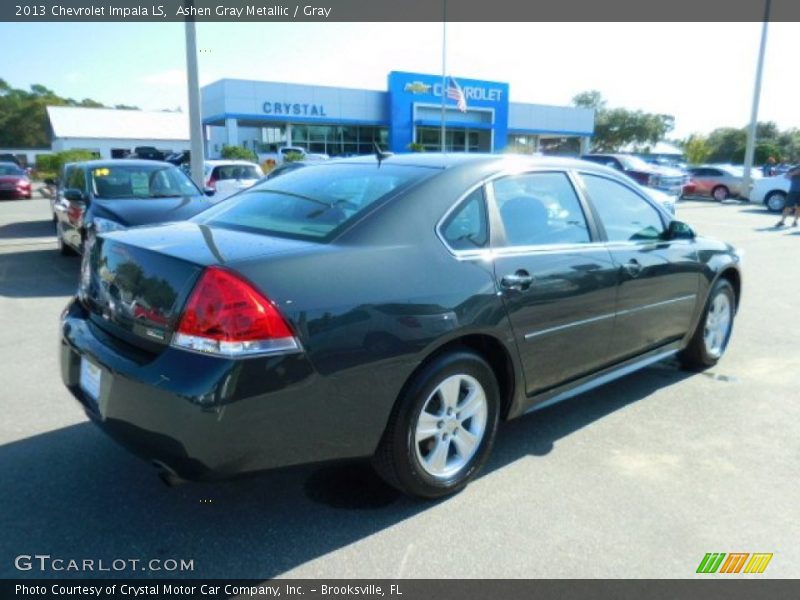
(238, 153)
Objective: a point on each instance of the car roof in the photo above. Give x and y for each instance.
(9, 164)
(437, 160)
(116, 162)
(223, 161)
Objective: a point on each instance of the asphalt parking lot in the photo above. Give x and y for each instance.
(640, 478)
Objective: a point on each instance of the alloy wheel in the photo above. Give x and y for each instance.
(718, 325)
(451, 426)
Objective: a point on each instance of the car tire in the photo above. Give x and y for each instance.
(775, 201)
(64, 249)
(421, 453)
(710, 338)
(720, 193)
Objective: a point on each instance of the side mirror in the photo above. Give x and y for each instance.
(679, 230)
(209, 191)
(74, 195)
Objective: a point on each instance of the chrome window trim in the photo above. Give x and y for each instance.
(573, 175)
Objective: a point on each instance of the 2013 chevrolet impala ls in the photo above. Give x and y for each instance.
(393, 307)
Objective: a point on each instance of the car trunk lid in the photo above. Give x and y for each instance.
(135, 283)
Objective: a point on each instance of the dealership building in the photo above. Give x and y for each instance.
(262, 116)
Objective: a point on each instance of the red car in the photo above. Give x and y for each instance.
(14, 183)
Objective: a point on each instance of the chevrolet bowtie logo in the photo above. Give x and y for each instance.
(417, 87)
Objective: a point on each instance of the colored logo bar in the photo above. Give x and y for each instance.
(734, 562)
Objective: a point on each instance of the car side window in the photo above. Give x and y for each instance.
(65, 177)
(76, 180)
(625, 215)
(467, 227)
(540, 208)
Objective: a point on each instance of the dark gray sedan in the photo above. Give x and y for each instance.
(394, 308)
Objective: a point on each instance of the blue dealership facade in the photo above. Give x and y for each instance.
(263, 116)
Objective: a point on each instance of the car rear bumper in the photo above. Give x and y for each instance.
(205, 417)
(15, 194)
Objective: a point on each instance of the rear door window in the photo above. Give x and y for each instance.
(540, 208)
(467, 228)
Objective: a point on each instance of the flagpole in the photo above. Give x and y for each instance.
(444, 66)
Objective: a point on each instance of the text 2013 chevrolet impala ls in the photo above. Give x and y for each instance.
(394, 307)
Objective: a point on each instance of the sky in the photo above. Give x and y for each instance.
(701, 73)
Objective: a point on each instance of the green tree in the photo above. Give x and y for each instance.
(615, 128)
(696, 149)
(727, 145)
(23, 114)
(238, 153)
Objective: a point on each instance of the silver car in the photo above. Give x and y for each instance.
(717, 181)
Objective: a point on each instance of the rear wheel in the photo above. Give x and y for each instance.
(776, 201)
(442, 428)
(720, 193)
(711, 337)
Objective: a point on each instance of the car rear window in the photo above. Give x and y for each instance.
(140, 181)
(11, 170)
(237, 172)
(312, 202)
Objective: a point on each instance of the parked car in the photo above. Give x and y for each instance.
(227, 177)
(279, 154)
(666, 179)
(109, 195)
(771, 192)
(394, 309)
(14, 182)
(179, 158)
(286, 167)
(717, 181)
(147, 153)
(9, 158)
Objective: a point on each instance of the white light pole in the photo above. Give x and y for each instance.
(751, 131)
(195, 122)
(444, 68)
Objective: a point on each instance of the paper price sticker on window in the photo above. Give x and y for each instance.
(140, 184)
(101, 172)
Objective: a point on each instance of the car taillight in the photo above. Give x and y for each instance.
(225, 315)
(212, 183)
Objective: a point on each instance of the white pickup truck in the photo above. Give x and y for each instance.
(279, 156)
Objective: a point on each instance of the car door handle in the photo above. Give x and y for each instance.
(519, 280)
(633, 267)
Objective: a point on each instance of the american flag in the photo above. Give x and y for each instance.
(454, 92)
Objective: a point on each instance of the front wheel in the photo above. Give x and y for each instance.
(713, 332)
(442, 428)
